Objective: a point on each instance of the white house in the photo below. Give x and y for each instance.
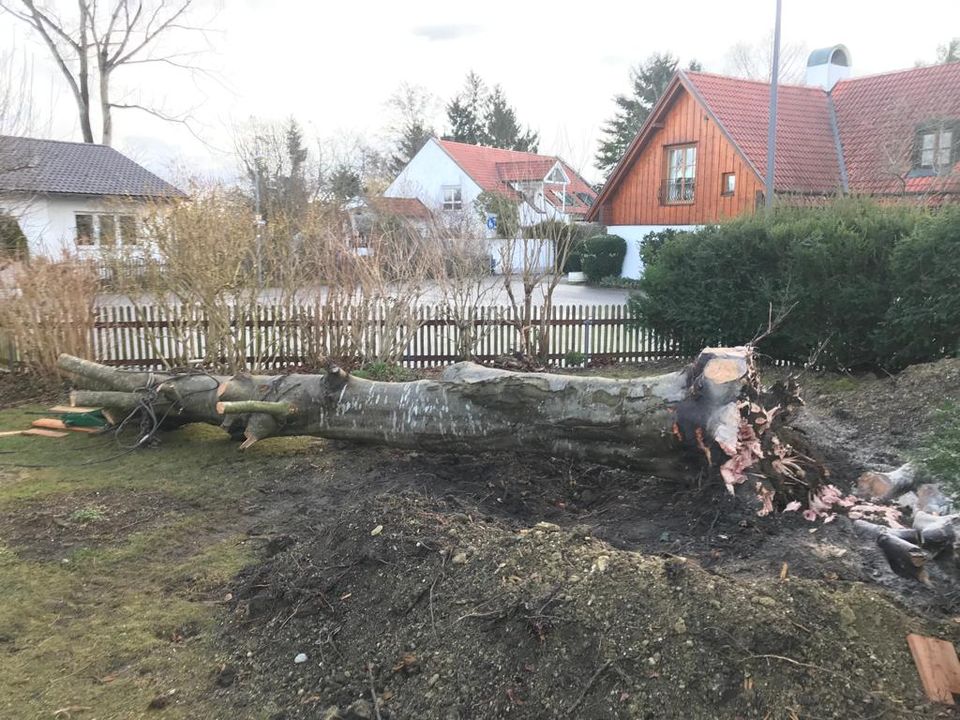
(448, 177)
(77, 198)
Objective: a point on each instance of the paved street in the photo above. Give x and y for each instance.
(493, 291)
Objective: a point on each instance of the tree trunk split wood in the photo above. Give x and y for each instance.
(715, 409)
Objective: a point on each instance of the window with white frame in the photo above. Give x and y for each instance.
(452, 197)
(681, 171)
(936, 146)
(106, 230)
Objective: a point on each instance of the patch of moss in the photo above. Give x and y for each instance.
(111, 627)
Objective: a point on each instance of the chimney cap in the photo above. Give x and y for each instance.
(834, 55)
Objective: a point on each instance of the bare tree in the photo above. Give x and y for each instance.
(16, 114)
(16, 108)
(90, 45)
(754, 60)
(413, 109)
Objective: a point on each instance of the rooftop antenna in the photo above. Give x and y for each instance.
(772, 120)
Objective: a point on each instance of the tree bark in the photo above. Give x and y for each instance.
(714, 408)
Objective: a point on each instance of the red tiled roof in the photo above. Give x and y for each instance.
(878, 117)
(493, 168)
(410, 208)
(806, 152)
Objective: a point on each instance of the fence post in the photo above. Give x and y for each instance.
(587, 322)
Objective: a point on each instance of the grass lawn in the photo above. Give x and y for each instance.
(113, 569)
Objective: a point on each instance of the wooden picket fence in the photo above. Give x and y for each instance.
(278, 336)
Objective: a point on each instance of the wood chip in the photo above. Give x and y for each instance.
(938, 666)
(72, 409)
(41, 432)
(10, 433)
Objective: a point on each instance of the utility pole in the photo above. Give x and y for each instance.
(772, 120)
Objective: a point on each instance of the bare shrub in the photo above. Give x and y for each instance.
(213, 286)
(47, 308)
(369, 289)
(466, 290)
(534, 263)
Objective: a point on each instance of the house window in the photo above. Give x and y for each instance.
(452, 198)
(585, 199)
(129, 234)
(681, 174)
(108, 231)
(936, 147)
(85, 230)
(565, 198)
(728, 184)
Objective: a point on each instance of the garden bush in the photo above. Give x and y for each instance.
(923, 320)
(602, 255)
(833, 267)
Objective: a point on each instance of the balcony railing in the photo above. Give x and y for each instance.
(674, 192)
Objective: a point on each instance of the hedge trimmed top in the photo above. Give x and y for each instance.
(872, 285)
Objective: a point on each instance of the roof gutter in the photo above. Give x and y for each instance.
(835, 131)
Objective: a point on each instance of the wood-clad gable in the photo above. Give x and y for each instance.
(636, 195)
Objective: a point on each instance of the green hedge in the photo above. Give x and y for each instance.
(602, 255)
(880, 285)
(923, 321)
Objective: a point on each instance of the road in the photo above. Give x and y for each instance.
(493, 294)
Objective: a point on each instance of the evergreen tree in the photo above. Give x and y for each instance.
(294, 193)
(502, 128)
(413, 137)
(949, 53)
(479, 117)
(344, 183)
(466, 112)
(649, 80)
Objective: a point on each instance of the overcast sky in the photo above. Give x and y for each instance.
(332, 65)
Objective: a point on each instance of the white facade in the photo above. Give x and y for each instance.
(432, 174)
(49, 222)
(633, 234)
(429, 176)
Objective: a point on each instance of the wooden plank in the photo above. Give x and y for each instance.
(49, 424)
(43, 432)
(72, 409)
(55, 424)
(938, 666)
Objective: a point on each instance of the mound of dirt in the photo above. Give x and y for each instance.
(460, 604)
(876, 420)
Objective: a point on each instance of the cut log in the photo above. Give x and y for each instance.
(906, 559)
(715, 408)
(886, 486)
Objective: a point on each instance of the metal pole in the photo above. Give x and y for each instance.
(772, 120)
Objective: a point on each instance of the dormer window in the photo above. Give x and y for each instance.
(936, 145)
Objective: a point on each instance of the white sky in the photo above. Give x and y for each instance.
(333, 64)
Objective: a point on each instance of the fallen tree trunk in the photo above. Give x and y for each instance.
(715, 407)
